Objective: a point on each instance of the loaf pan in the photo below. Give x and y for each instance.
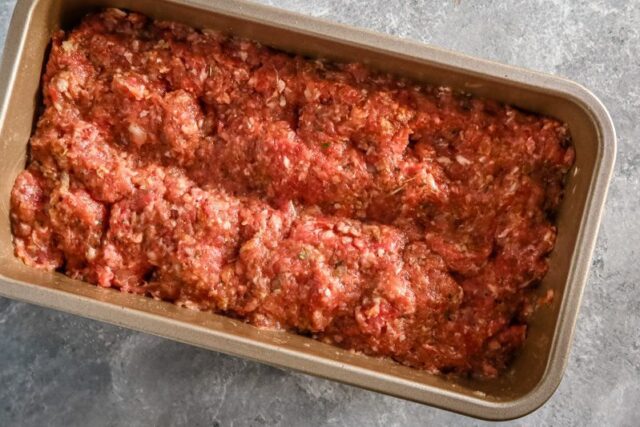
(537, 369)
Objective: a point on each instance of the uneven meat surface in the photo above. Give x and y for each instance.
(366, 211)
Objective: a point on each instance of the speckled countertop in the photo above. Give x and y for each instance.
(60, 370)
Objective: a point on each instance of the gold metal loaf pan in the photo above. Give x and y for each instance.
(537, 370)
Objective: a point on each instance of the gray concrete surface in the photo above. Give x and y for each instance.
(61, 370)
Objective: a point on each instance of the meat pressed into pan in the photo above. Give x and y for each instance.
(367, 211)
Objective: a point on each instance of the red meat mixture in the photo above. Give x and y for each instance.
(364, 210)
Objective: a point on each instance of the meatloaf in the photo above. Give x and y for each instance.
(359, 208)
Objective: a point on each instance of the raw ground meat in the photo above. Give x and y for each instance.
(364, 210)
